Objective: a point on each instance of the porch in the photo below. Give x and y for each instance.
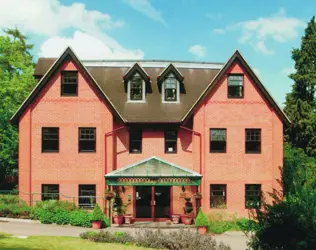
(152, 190)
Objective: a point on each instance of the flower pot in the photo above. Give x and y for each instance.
(128, 219)
(118, 219)
(187, 220)
(198, 196)
(175, 218)
(202, 229)
(109, 195)
(183, 195)
(96, 224)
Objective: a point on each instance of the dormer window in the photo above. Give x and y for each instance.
(136, 88)
(170, 89)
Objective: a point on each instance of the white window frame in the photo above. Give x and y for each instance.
(129, 92)
(163, 90)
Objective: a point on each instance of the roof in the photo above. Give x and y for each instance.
(153, 167)
(107, 76)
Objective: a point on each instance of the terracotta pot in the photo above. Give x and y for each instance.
(109, 195)
(175, 218)
(128, 219)
(118, 219)
(96, 224)
(198, 196)
(187, 220)
(202, 230)
(183, 195)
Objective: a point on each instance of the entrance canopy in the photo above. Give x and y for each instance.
(153, 171)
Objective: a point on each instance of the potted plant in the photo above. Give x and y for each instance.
(128, 217)
(201, 222)
(97, 217)
(175, 218)
(109, 194)
(118, 210)
(198, 196)
(186, 218)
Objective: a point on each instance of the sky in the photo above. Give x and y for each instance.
(265, 32)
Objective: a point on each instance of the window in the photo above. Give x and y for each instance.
(235, 86)
(135, 141)
(218, 140)
(253, 196)
(218, 196)
(87, 196)
(69, 83)
(253, 140)
(136, 88)
(50, 139)
(170, 141)
(170, 89)
(87, 139)
(50, 192)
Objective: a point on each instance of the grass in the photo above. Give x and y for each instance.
(57, 243)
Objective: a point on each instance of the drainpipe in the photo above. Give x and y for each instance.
(105, 136)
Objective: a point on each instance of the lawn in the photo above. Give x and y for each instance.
(56, 243)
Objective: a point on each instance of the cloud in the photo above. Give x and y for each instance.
(86, 47)
(288, 70)
(257, 72)
(278, 28)
(145, 7)
(50, 19)
(261, 47)
(219, 31)
(198, 50)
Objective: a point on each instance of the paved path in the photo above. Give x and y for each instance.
(236, 240)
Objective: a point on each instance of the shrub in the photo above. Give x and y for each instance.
(80, 218)
(97, 214)
(13, 206)
(157, 239)
(201, 219)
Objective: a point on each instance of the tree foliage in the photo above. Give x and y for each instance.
(16, 81)
(301, 101)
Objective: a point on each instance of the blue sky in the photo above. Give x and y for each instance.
(200, 30)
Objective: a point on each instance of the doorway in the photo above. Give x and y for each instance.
(152, 202)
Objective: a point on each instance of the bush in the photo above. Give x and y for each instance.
(97, 214)
(12, 206)
(201, 219)
(157, 239)
(80, 218)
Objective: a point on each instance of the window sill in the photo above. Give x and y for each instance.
(135, 152)
(52, 151)
(170, 101)
(87, 151)
(235, 97)
(69, 95)
(166, 152)
(140, 101)
(252, 153)
(217, 152)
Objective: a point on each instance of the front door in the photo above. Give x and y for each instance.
(152, 202)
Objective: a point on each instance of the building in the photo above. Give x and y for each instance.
(159, 130)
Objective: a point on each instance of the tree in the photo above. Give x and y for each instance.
(300, 103)
(16, 81)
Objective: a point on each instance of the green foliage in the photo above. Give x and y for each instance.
(300, 102)
(97, 214)
(287, 224)
(201, 219)
(16, 81)
(12, 206)
(80, 218)
(177, 240)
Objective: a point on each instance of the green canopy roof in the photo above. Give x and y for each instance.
(153, 167)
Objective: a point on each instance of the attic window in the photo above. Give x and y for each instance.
(171, 89)
(69, 83)
(235, 86)
(136, 88)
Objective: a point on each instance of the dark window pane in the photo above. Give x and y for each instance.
(136, 91)
(87, 196)
(50, 139)
(170, 89)
(171, 141)
(218, 140)
(135, 141)
(87, 139)
(253, 196)
(253, 140)
(50, 192)
(218, 196)
(69, 83)
(235, 86)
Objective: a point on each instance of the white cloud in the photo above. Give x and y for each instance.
(278, 28)
(145, 7)
(198, 50)
(288, 70)
(50, 19)
(219, 31)
(261, 47)
(86, 47)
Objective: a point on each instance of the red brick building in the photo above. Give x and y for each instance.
(157, 129)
